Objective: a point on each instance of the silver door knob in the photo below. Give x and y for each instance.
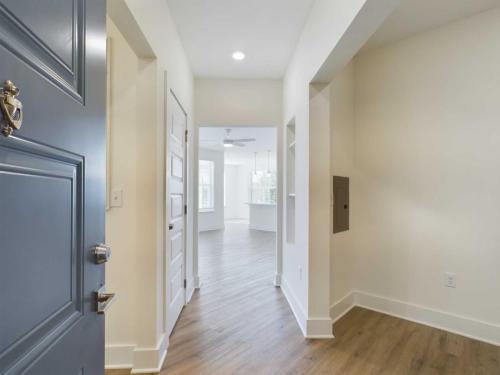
(101, 253)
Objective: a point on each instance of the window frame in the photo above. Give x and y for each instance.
(210, 164)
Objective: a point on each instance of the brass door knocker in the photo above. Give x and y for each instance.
(12, 108)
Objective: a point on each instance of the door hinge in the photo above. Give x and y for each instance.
(186, 136)
(185, 209)
(185, 283)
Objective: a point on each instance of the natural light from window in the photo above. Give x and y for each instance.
(206, 186)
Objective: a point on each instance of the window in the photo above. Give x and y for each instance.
(206, 186)
(263, 189)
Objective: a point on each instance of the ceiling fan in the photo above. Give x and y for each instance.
(230, 142)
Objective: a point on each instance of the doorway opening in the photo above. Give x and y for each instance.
(237, 204)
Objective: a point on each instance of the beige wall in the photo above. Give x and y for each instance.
(123, 144)
(136, 325)
(233, 102)
(427, 148)
(131, 229)
(425, 183)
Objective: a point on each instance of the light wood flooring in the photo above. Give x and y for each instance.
(239, 323)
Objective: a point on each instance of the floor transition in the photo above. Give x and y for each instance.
(239, 323)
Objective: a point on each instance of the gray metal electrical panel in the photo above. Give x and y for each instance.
(340, 204)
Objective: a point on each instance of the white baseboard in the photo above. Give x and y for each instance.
(263, 229)
(342, 307)
(294, 304)
(212, 227)
(197, 282)
(190, 288)
(319, 328)
(312, 328)
(277, 279)
(119, 357)
(460, 325)
(139, 360)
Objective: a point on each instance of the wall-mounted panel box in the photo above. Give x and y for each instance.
(340, 204)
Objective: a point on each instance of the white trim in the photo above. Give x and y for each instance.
(119, 357)
(206, 210)
(150, 360)
(212, 227)
(277, 279)
(460, 325)
(342, 307)
(319, 328)
(313, 328)
(197, 282)
(190, 290)
(256, 227)
(294, 304)
(139, 360)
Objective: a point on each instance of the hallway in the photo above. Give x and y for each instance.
(238, 319)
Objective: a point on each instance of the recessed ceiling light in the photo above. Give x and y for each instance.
(238, 55)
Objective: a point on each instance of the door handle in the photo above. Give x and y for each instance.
(101, 253)
(170, 226)
(12, 108)
(103, 300)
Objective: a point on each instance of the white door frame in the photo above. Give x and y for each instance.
(279, 206)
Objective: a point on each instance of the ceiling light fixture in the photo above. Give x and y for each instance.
(228, 145)
(238, 55)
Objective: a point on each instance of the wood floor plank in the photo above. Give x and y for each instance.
(240, 324)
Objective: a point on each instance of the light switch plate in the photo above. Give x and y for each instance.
(450, 280)
(117, 198)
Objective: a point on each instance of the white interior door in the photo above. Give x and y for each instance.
(176, 191)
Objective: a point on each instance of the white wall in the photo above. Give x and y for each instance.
(427, 149)
(334, 31)
(319, 214)
(135, 335)
(214, 220)
(419, 143)
(238, 102)
(342, 249)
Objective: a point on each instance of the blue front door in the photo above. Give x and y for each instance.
(52, 185)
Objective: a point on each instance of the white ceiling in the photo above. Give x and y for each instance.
(265, 140)
(415, 16)
(267, 31)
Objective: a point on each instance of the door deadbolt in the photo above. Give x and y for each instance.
(101, 253)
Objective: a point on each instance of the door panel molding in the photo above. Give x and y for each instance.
(36, 330)
(21, 41)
